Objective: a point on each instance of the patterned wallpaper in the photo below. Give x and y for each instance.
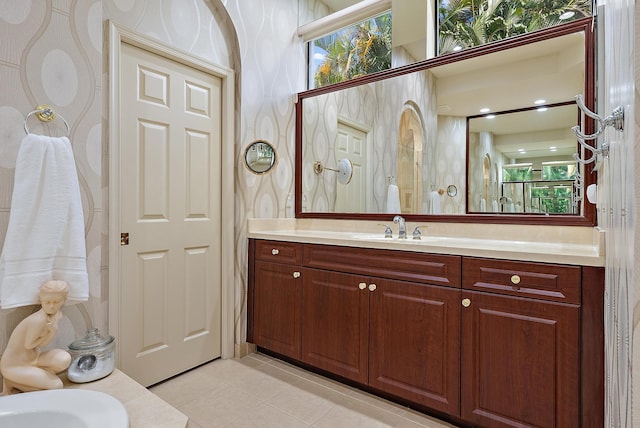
(51, 53)
(376, 107)
(618, 215)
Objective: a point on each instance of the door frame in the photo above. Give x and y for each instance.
(117, 36)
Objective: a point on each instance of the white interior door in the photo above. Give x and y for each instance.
(170, 205)
(351, 144)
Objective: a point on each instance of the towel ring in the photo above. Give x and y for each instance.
(45, 114)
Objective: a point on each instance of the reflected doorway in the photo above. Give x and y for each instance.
(410, 143)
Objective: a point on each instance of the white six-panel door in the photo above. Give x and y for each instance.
(170, 205)
(351, 143)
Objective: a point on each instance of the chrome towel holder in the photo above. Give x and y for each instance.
(45, 114)
(615, 120)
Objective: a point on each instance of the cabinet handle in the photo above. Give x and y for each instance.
(515, 279)
(275, 251)
(362, 286)
(296, 274)
(466, 302)
(372, 287)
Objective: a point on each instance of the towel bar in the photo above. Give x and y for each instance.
(45, 114)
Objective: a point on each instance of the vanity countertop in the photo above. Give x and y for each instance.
(145, 409)
(547, 244)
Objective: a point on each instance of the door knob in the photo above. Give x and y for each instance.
(515, 279)
(372, 287)
(466, 302)
(275, 251)
(362, 286)
(296, 274)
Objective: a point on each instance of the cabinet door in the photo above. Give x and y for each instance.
(335, 323)
(278, 292)
(414, 349)
(520, 362)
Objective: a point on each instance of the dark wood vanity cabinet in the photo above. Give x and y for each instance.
(395, 336)
(491, 343)
(414, 345)
(278, 291)
(335, 323)
(376, 317)
(520, 355)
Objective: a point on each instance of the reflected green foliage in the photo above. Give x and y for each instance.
(553, 200)
(559, 172)
(467, 23)
(511, 174)
(355, 51)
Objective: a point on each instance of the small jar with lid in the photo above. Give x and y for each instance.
(92, 357)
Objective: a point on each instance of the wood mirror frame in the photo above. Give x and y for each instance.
(588, 211)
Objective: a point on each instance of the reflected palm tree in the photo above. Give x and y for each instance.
(467, 23)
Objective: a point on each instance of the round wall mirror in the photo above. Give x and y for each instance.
(260, 157)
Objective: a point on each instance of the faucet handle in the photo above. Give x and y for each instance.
(387, 232)
(417, 233)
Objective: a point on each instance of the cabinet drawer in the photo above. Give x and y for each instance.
(279, 251)
(434, 269)
(538, 280)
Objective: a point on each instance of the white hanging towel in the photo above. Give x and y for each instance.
(434, 202)
(393, 199)
(45, 236)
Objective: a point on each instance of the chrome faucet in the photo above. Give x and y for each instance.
(402, 229)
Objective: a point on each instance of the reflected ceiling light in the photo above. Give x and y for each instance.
(490, 116)
(457, 48)
(542, 109)
(567, 15)
(540, 101)
(552, 149)
(485, 110)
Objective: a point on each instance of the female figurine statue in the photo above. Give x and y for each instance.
(23, 365)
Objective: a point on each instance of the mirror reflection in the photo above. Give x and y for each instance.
(410, 131)
(260, 157)
(522, 162)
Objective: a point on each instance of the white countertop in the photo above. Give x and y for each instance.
(548, 244)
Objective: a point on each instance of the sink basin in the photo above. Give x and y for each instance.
(62, 408)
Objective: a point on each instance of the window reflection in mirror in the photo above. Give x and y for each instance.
(533, 152)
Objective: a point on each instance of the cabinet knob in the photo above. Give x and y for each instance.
(372, 287)
(466, 302)
(296, 274)
(515, 279)
(275, 251)
(362, 286)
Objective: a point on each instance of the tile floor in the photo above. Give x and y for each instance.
(260, 391)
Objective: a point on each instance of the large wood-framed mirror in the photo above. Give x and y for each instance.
(365, 120)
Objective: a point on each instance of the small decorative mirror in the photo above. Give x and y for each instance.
(452, 190)
(260, 157)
